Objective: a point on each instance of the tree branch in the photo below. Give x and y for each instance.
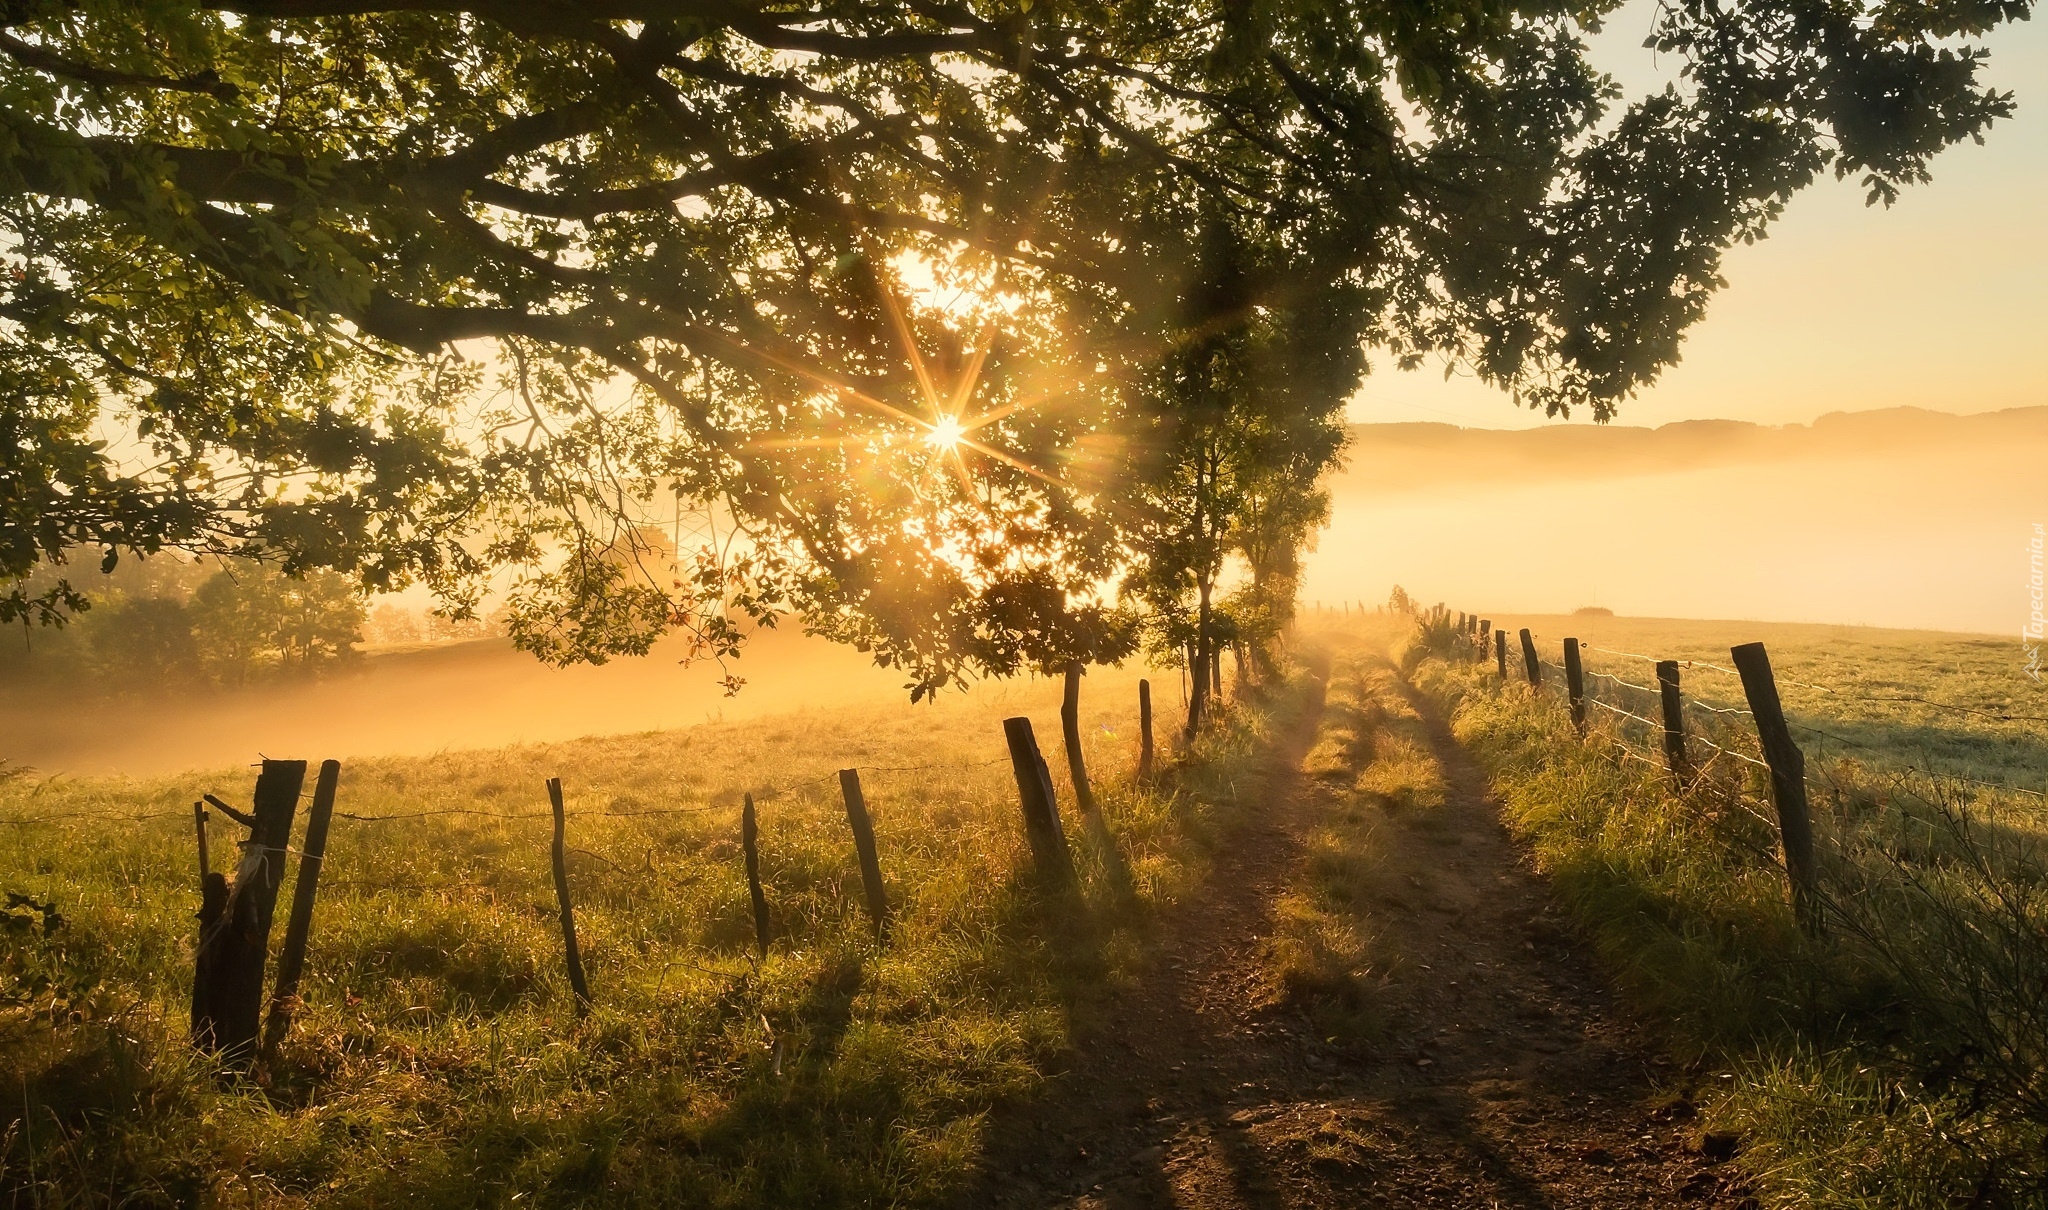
(206, 83)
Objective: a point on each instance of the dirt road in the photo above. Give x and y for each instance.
(1503, 1073)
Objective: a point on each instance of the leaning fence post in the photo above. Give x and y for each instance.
(1674, 722)
(560, 854)
(1529, 657)
(1144, 729)
(199, 826)
(749, 833)
(1035, 796)
(284, 994)
(1500, 652)
(1485, 636)
(1575, 684)
(234, 921)
(864, 847)
(1788, 774)
(1070, 731)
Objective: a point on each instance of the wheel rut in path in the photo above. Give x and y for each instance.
(1504, 1074)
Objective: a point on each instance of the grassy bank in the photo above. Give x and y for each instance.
(1896, 1058)
(438, 1059)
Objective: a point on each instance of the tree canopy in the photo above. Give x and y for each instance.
(881, 301)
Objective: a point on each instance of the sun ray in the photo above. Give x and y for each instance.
(970, 377)
(854, 393)
(790, 443)
(1009, 460)
(1029, 401)
(901, 322)
(960, 471)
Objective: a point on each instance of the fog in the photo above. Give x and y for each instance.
(462, 695)
(1898, 519)
(1886, 518)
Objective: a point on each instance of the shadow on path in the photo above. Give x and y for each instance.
(1502, 1074)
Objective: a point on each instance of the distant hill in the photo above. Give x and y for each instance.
(1399, 457)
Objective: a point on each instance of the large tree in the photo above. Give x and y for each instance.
(870, 296)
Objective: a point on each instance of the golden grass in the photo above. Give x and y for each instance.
(438, 1059)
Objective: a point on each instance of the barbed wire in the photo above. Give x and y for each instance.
(1741, 756)
(1651, 659)
(764, 793)
(1624, 713)
(1917, 699)
(1730, 798)
(1736, 798)
(1627, 655)
(1608, 676)
(116, 817)
(1697, 704)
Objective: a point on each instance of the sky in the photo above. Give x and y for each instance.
(1937, 302)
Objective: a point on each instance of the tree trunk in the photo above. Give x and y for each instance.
(1198, 697)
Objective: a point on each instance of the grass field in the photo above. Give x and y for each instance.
(1845, 683)
(1894, 1058)
(438, 1059)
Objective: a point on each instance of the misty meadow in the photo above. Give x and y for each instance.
(819, 605)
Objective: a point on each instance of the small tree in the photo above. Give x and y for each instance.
(252, 618)
(146, 638)
(1244, 420)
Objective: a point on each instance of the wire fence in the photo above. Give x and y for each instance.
(1634, 710)
(1711, 752)
(763, 793)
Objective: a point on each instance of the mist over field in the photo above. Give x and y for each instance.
(1901, 517)
(472, 694)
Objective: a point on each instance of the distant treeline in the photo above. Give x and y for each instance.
(1398, 457)
(169, 619)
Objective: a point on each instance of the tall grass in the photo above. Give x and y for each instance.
(1893, 1059)
(438, 1059)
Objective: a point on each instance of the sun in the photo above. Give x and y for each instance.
(946, 432)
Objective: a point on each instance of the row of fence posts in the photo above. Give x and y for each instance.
(1784, 761)
(235, 916)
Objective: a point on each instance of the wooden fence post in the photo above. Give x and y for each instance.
(284, 993)
(1070, 731)
(1675, 755)
(1575, 684)
(1485, 636)
(864, 848)
(234, 922)
(199, 826)
(1529, 657)
(1500, 652)
(560, 853)
(1788, 774)
(1144, 729)
(749, 832)
(1041, 809)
